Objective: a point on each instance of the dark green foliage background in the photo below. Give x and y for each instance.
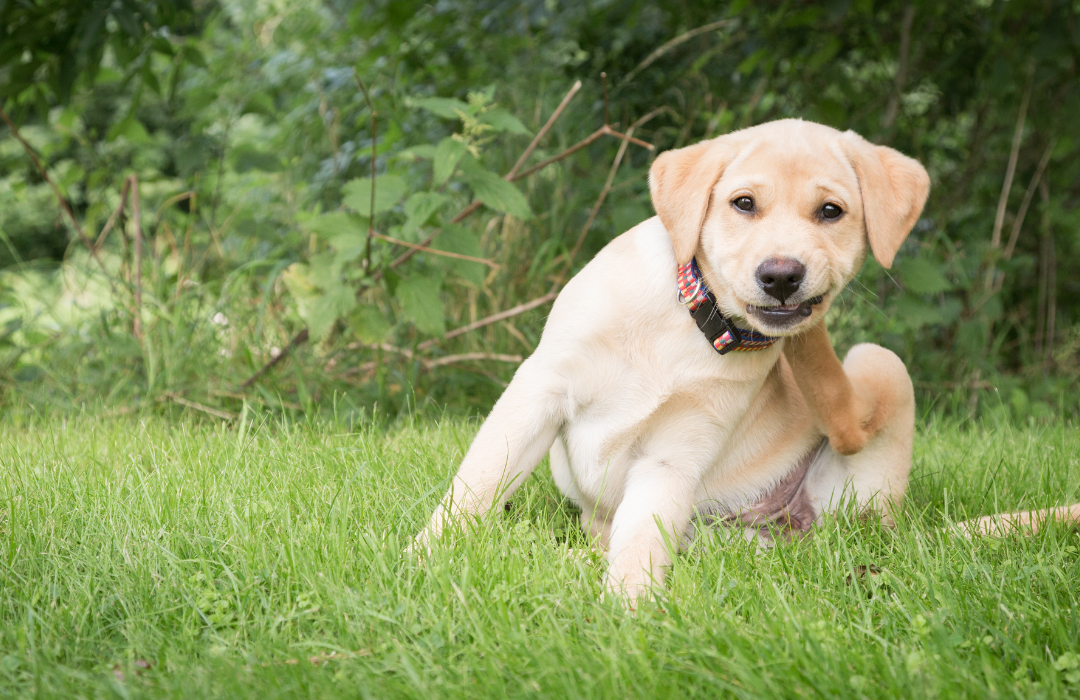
(253, 107)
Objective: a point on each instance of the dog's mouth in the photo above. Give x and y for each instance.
(785, 314)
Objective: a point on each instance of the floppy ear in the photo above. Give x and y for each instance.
(681, 183)
(894, 189)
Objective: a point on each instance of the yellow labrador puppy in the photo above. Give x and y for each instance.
(685, 375)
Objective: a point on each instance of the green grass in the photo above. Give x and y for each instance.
(147, 558)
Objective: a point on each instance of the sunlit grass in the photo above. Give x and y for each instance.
(189, 559)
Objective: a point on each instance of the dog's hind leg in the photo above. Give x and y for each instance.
(866, 407)
(593, 519)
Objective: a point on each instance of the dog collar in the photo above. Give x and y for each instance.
(721, 331)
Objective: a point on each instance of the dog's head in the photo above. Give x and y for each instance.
(780, 215)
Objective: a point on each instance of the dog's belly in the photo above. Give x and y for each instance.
(758, 430)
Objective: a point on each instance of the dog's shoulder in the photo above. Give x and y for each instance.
(629, 273)
(623, 302)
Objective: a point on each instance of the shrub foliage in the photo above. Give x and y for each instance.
(262, 267)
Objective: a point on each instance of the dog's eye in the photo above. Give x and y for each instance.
(831, 211)
(744, 203)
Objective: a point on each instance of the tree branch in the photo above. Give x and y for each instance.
(1010, 170)
(433, 251)
(217, 413)
(136, 214)
(374, 136)
(543, 130)
(671, 44)
(64, 205)
(494, 318)
(299, 339)
(1028, 195)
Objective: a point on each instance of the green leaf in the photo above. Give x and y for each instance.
(501, 120)
(445, 107)
(369, 324)
(162, 46)
(1067, 662)
(193, 55)
(447, 155)
(131, 129)
(297, 281)
(494, 191)
(347, 234)
(914, 313)
(419, 208)
(389, 189)
(322, 270)
(458, 239)
(923, 276)
(150, 80)
(247, 158)
(337, 301)
(337, 223)
(420, 303)
(424, 150)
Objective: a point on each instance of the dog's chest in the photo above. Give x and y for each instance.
(650, 404)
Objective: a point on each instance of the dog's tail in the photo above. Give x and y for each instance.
(1027, 522)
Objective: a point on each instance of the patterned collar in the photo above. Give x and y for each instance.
(721, 331)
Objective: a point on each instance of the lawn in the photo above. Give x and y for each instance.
(152, 558)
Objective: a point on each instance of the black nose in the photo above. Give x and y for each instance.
(780, 278)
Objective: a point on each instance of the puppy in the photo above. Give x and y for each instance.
(685, 375)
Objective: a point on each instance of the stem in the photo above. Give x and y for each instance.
(1028, 195)
(64, 205)
(1010, 170)
(543, 131)
(374, 137)
(136, 323)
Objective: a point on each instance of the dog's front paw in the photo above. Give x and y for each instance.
(420, 547)
(628, 589)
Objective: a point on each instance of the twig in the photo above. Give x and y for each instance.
(374, 136)
(172, 200)
(939, 384)
(494, 318)
(468, 356)
(605, 191)
(1047, 304)
(217, 413)
(299, 339)
(605, 130)
(566, 153)
(381, 346)
(443, 361)
(599, 203)
(672, 43)
(433, 251)
(56, 191)
(1010, 170)
(901, 72)
(543, 131)
(115, 215)
(136, 214)
(220, 175)
(603, 81)
(1028, 195)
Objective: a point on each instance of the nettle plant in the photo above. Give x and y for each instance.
(396, 244)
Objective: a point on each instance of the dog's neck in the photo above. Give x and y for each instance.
(708, 273)
(721, 331)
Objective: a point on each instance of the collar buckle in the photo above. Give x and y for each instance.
(721, 332)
